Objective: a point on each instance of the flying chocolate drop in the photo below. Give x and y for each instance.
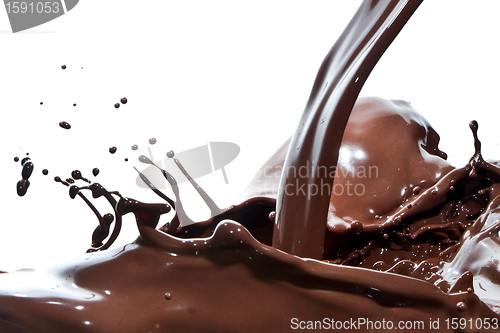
(22, 187)
(112, 150)
(64, 125)
(145, 159)
(27, 170)
(95, 171)
(76, 174)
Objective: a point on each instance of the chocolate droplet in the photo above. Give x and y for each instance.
(117, 105)
(45, 172)
(76, 174)
(416, 190)
(73, 191)
(74, 104)
(356, 227)
(272, 216)
(461, 306)
(152, 141)
(124, 100)
(168, 296)
(145, 159)
(134, 147)
(473, 125)
(170, 154)
(112, 150)
(16, 159)
(27, 170)
(64, 125)
(108, 218)
(63, 66)
(22, 187)
(95, 171)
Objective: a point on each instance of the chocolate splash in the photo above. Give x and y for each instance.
(221, 264)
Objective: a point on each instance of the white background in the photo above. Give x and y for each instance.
(201, 71)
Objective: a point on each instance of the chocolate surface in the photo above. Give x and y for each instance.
(124, 289)
(422, 241)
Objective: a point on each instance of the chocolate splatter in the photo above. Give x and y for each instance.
(64, 125)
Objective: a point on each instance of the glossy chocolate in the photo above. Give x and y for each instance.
(299, 227)
(423, 238)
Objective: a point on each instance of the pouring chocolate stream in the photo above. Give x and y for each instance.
(300, 223)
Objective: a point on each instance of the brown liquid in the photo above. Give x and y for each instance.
(64, 125)
(221, 276)
(299, 227)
